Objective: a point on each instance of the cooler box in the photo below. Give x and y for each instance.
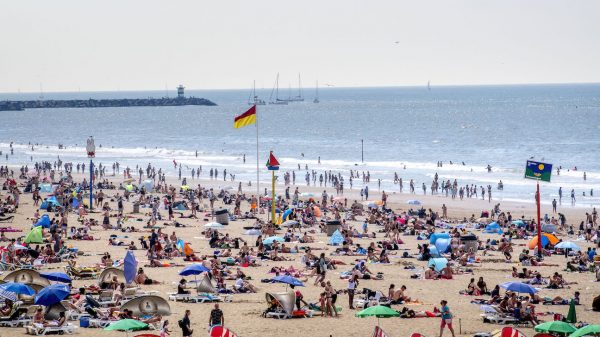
(222, 216)
(84, 321)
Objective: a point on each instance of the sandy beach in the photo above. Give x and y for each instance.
(243, 314)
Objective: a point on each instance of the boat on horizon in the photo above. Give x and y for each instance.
(254, 99)
(277, 100)
(298, 98)
(316, 100)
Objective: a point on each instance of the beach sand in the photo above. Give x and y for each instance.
(243, 315)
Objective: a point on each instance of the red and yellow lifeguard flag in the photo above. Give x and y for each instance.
(247, 118)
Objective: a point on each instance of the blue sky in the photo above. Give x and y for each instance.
(70, 45)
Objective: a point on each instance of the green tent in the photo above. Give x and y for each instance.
(127, 325)
(35, 236)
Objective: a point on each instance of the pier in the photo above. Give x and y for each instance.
(180, 100)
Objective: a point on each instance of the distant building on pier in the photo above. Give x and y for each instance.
(180, 91)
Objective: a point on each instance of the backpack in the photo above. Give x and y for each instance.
(180, 323)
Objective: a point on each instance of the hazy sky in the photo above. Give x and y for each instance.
(139, 45)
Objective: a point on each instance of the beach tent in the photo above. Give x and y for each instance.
(494, 227)
(46, 188)
(51, 200)
(433, 251)
(148, 185)
(442, 245)
(546, 239)
(548, 228)
(287, 213)
(438, 263)
(433, 238)
(336, 238)
(26, 276)
(44, 221)
(205, 285)
(107, 275)
(148, 305)
(35, 236)
(519, 223)
(284, 300)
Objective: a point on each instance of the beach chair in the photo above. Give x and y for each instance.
(14, 318)
(40, 330)
(105, 299)
(498, 318)
(100, 323)
(8, 219)
(73, 314)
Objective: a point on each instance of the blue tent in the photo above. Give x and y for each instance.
(438, 263)
(519, 223)
(433, 238)
(287, 213)
(52, 200)
(493, 228)
(46, 188)
(44, 221)
(336, 238)
(442, 245)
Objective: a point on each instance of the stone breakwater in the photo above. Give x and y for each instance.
(102, 103)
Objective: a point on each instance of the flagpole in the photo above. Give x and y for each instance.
(257, 171)
(273, 197)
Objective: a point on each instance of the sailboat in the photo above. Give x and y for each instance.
(275, 91)
(429, 85)
(298, 98)
(253, 99)
(316, 100)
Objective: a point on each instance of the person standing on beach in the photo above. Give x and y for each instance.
(554, 206)
(216, 317)
(185, 324)
(560, 194)
(446, 318)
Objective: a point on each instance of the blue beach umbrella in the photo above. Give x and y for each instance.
(130, 266)
(52, 294)
(287, 279)
(194, 269)
(18, 288)
(519, 287)
(271, 239)
(57, 277)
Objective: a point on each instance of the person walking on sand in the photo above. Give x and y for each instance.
(446, 318)
(185, 324)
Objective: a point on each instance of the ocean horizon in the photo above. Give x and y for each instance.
(406, 130)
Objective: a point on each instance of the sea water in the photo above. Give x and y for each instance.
(403, 129)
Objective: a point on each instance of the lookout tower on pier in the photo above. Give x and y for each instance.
(180, 91)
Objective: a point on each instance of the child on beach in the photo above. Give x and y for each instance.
(446, 318)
